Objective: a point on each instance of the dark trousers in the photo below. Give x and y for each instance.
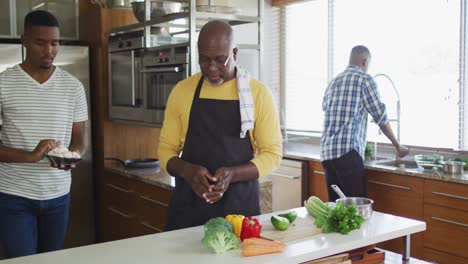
(347, 172)
(32, 226)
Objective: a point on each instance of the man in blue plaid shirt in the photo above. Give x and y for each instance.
(348, 100)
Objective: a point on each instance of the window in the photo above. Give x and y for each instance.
(306, 64)
(416, 43)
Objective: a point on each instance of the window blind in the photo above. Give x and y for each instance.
(423, 56)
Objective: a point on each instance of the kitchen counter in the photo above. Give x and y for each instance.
(184, 246)
(156, 176)
(310, 152)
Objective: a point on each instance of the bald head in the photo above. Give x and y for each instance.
(360, 56)
(216, 32)
(216, 52)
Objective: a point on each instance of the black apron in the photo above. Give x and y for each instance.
(213, 141)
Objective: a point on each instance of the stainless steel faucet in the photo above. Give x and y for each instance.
(398, 106)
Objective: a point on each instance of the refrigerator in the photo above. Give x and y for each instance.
(75, 60)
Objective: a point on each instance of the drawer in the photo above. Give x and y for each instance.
(316, 166)
(118, 198)
(318, 186)
(288, 172)
(447, 230)
(395, 194)
(442, 258)
(118, 225)
(152, 192)
(116, 180)
(152, 213)
(406, 186)
(446, 194)
(143, 229)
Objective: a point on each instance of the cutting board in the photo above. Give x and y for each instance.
(301, 228)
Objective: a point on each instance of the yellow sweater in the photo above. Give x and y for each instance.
(266, 136)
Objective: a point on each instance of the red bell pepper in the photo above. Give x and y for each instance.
(251, 227)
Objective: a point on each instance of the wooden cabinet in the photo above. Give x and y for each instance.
(442, 205)
(130, 207)
(398, 195)
(152, 207)
(441, 257)
(446, 216)
(317, 181)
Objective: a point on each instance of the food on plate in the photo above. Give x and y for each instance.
(291, 216)
(279, 222)
(260, 246)
(63, 152)
(341, 218)
(219, 236)
(251, 227)
(236, 221)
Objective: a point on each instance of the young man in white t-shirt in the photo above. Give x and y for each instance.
(41, 107)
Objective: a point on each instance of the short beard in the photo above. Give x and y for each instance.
(221, 81)
(46, 67)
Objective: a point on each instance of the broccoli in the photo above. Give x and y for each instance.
(218, 221)
(220, 239)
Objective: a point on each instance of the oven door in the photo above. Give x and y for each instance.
(125, 86)
(159, 82)
(124, 75)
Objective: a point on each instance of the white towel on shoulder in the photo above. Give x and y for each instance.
(246, 103)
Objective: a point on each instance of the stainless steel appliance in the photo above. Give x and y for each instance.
(75, 60)
(142, 79)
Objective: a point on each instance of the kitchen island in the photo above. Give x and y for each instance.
(184, 246)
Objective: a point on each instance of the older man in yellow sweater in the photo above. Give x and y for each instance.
(221, 133)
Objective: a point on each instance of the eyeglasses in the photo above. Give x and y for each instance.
(219, 62)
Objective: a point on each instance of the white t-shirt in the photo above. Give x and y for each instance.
(31, 112)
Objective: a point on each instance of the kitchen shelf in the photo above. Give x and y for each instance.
(232, 19)
(188, 24)
(154, 22)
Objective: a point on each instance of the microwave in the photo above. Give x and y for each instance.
(142, 79)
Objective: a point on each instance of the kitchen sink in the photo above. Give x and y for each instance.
(402, 164)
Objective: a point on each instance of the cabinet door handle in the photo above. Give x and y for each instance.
(449, 221)
(119, 213)
(152, 200)
(118, 188)
(451, 195)
(319, 172)
(390, 185)
(285, 176)
(151, 227)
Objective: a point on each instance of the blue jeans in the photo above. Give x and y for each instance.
(31, 226)
(348, 173)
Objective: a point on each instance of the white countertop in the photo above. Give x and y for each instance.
(184, 246)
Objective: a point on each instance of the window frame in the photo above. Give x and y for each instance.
(462, 73)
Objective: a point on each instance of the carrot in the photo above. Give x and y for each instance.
(260, 246)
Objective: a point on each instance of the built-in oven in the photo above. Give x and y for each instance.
(162, 69)
(125, 89)
(141, 79)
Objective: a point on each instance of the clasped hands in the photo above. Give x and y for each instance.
(207, 186)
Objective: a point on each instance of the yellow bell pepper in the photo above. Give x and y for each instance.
(236, 221)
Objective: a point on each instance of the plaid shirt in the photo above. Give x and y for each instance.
(347, 101)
